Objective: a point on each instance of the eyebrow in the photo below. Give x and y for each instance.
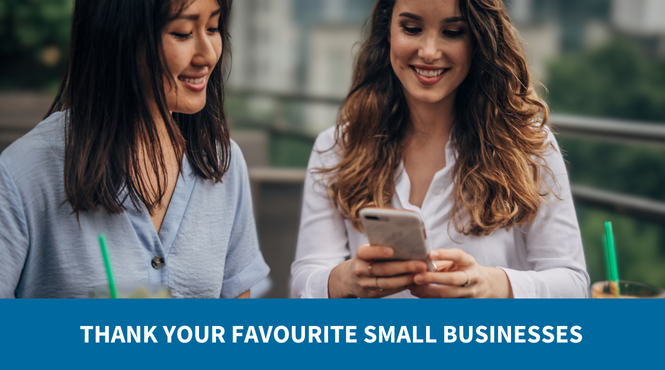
(419, 18)
(195, 17)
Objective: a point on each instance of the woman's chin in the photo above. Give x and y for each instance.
(188, 108)
(427, 97)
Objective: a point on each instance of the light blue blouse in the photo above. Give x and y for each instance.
(207, 241)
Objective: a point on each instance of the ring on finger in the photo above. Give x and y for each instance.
(369, 269)
(468, 280)
(376, 279)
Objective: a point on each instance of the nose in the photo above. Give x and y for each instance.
(208, 49)
(429, 50)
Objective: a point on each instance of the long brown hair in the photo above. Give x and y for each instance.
(499, 130)
(109, 123)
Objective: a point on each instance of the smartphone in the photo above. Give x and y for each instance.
(402, 230)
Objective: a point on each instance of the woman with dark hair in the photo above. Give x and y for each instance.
(136, 147)
(442, 119)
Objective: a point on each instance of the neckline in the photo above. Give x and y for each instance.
(403, 181)
(162, 242)
(177, 207)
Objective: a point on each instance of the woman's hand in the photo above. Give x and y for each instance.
(363, 278)
(458, 275)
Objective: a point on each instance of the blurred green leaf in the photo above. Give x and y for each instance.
(27, 28)
(621, 82)
(616, 80)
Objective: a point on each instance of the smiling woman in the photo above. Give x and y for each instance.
(442, 120)
(419, 63)
(192, 46)
(135, 146)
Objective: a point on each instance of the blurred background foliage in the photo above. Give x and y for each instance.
(35, 40)
(617, 79)
(621, 81)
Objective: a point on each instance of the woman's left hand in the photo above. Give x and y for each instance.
(458, 275)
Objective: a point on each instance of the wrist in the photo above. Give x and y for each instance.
(500, 285)
(336, 282)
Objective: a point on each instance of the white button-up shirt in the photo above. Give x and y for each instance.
(542, 259)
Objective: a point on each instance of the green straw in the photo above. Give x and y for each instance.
(610, 254)
(107, 263)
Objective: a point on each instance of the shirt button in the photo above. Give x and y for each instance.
(437, 191)
(157, 263)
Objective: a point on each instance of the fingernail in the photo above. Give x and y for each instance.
(434, 254)
(419, 279)
(386, 252)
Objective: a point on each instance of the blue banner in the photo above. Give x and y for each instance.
(331, 334)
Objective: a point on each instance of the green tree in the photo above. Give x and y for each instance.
(35, 39)
(615, 81)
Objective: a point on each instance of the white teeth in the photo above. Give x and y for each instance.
(427, 73)
(191, 80)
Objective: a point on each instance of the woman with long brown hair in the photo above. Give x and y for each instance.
(136, 147)
(442, 119)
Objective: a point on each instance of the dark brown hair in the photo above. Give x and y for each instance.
(499, 131)
(107, 94)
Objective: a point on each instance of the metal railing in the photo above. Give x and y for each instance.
(628, 132)
(624, 132)
(644, 209)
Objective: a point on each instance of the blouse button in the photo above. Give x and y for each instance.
(437, 191)
(157, 263)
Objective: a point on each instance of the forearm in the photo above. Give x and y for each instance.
(559, 282)
(309, 280)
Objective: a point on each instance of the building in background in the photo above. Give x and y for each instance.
(330, 57)
(552, 27)
(302, 46)
(643, 21)
(265, 39)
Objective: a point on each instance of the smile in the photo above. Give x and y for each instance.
(429, 73)
(194, 81)
(194, 84)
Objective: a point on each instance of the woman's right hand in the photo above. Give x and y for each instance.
(361, 277)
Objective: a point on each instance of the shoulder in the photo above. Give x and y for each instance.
(38, 153)
(326, 151)
(553, 155)
(552, 168)
(326, 139)
(237, 164)
(47, 136)
(550, 140)
(236, 177)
